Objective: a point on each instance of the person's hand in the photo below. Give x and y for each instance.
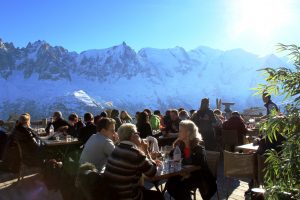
(158, 162)
(144, 146)
(115, 137)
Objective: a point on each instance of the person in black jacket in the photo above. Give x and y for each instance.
(74, 125)
(89, 129)
(58, 122)
(116, 116)
(205, 119)
(143, 125)
(24, 136)
(193, 153)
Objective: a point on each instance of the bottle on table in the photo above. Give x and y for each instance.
(51, 129)
(177, 154)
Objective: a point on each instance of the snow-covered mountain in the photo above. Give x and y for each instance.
(41, 78)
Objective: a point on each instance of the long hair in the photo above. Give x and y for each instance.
(126, 117)
(193, 133)
(142, 119)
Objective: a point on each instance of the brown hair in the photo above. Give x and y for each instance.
(104, 123)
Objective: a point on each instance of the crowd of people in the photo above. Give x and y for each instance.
(113, 142)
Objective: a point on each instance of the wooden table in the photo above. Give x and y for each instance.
(165, 175)
(248, 147)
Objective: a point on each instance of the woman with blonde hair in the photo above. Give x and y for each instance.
(189, 141)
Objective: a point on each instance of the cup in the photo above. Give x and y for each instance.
(57, 138)
(68, 138)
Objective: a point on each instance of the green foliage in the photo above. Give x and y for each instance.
(283, 168)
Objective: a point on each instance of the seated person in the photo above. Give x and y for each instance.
(183, 115)
(74, 125)
(100, 145)
(219, 117)
(1, 124)
(90, 128)
(125, 117)
(235, 122)
(189, 141)
(3, 139)
(161, 119)
(143, 125)
(129, 160)
(265, 144)
(91, 183)
(24, 135)
(218, 127)
(58, 122)
(115, 114)
(172, 126)
(153, 119)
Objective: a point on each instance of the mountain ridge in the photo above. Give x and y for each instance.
(154, 78)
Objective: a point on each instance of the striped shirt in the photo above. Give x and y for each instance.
(124, 170)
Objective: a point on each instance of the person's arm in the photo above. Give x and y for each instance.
(212, 118)
(109, 147)
(148, 166)
(243, 128)
(48, 127)
(148, 130)
(199, 156)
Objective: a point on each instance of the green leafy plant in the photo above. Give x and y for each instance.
(282, 178)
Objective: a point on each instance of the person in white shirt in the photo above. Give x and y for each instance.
(100, 145)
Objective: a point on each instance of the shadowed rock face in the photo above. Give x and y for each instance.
(54, 63)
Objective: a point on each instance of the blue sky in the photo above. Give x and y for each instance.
(254, 25)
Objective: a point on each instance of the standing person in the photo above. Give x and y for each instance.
(269, 104)
(90, 128)
(189, 140)
(143, 125)
(126, 165)
(205, 119)
(100, 145)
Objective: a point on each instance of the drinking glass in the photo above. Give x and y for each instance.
(68, 138)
